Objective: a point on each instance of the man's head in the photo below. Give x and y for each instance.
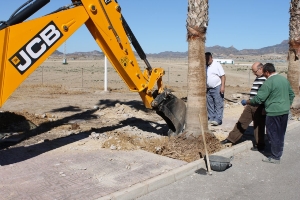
(268, 69)
(208, 58)
(257, 69)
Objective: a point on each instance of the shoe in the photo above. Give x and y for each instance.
(214, 123)
(225, 142)
(257, 149)
(271, 160)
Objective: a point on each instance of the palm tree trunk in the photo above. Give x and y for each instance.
(294, 50)
(197, 22)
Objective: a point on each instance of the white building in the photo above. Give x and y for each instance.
(224, 61)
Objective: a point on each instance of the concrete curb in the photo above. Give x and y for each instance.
(174, 175)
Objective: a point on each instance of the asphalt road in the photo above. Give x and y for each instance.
(248, 178)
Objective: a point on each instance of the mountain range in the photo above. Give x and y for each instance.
(281, 48)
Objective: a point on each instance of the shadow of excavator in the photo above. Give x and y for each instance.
(17, 123)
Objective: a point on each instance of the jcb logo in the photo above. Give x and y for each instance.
(35, 48)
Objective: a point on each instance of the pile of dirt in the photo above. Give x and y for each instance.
(187, 148)
(180, 147)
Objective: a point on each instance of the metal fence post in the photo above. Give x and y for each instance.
(105, 73)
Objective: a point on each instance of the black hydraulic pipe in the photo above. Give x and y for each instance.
(25, 13)
(133, 40)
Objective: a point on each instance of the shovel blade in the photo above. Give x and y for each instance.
(172, 110)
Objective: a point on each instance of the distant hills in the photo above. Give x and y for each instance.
(281, 48)
(220, 51)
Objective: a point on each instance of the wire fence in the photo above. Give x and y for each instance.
(83, 74)
(90, 74)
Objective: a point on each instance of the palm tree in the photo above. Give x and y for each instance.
(197, 22)
(294, 50)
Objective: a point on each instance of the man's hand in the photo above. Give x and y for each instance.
(244, 102)
(222, 89)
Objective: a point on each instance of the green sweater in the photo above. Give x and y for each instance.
(277, 95)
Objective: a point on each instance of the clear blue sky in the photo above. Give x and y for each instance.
(159, 25)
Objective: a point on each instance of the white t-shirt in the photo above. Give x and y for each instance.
(213, 74)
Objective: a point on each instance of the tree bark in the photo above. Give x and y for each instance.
(294, 50)
(196, 103)
(197, 22)
(293, 77)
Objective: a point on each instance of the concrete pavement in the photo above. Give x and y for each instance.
(70, 170)
(248, 178)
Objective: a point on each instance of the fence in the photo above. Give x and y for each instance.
(90, 74)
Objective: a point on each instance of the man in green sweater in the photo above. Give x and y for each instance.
(277, 95)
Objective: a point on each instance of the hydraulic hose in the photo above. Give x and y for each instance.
(21, 16)
(136, 44)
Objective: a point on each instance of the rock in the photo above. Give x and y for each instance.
(157, 149)
(113, 147)
(75, 126)
(95, 135)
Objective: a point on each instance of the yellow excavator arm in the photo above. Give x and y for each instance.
(25, 45)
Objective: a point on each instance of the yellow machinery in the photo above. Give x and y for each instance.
(25, 45)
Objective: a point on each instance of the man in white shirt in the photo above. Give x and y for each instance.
(215, 77)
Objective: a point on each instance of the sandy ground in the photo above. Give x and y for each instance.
(60, 100)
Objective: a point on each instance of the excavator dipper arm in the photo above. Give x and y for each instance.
(26, 45)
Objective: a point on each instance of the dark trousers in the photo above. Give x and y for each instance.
(250, 113)
(276, 127)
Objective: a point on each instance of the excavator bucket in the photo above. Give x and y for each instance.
(172, 110)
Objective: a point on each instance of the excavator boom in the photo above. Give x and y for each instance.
(25, 45)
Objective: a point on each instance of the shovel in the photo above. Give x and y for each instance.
(206, 153)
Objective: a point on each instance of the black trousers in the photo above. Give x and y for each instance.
(276, 127)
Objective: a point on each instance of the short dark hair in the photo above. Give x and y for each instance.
(269, 67)
(208, 54)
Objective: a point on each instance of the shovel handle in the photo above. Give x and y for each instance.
(206, 153)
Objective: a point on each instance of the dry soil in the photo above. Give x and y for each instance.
(60, 100)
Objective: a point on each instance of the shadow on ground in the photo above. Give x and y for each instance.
(22, 153)
(249, 135)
